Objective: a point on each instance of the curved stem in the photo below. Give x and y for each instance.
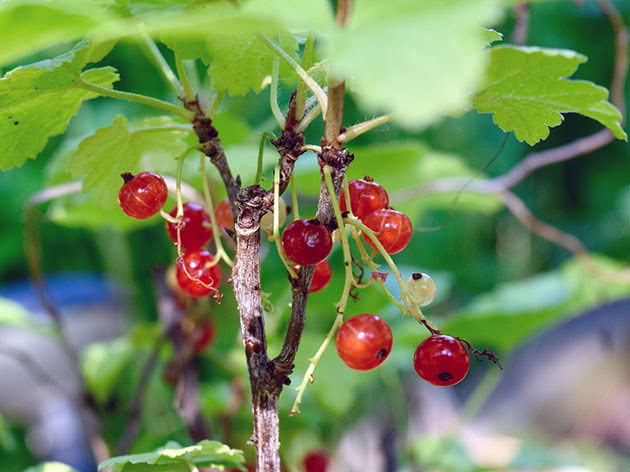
(215, 104)
(307, 60)
(294, 199)
(308, 80)
(361, 128)
(276, 224)
(189, 94)
(137, 98)
(261, 150)
(157, 58)
(273, 94)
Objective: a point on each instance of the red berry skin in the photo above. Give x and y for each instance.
(142, 196)
(323, 274)
(393, 229)
(441, 360)
(366, 196)
(306, 242)
(206, 335)
(316, 461)
(364, 341)
(196, 263)
(223, 215)
(197, 229)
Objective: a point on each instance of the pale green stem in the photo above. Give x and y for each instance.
(308, 118)
(308, 80)
(294, 199)
(276, 224)
(215, 104)
(154, 54)
(361, 128)
(189, 94)
(311, 147)
(221, 254)
(137, 98)
(307, 60)
(261, 150)
(273, 95)
(343, 301)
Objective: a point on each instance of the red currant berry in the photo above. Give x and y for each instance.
(441, 360)
(206, 336)
(143, 195)
(197, 229)
(306, 242)
(364, 341)
(393, 229)
(323, 274)
(207, 278)
(223, 214)
(316, 461)
(366, 196)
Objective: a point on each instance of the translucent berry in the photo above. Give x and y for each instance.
(316, 461)
(366, 196)
(266, 222)
(223, 214)
(196, 230)
(206, 336)
(143, 195)
(205, 278)
(364, 341)
(441, 360)
(393, 229)
(422, 288)
(306, 242)
(323, 274)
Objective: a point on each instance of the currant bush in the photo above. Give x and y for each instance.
(142, 195)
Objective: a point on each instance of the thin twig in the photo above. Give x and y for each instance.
(521, 12)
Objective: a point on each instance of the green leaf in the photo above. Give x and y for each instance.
(240, 62)
(418, 60)
(490, 35)
(174, 457)
(37, 102)
(527, 91)
(51, 467)
(507, 315)
(102, 365)
(27, 26)
(116, 149)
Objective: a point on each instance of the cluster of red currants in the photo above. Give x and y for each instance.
(197, 273)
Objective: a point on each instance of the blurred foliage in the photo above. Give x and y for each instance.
(486, 264)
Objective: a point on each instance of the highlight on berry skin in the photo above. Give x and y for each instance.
(393, 229)
(364, 341)
(141, 196)
(441, 360)
(366, 196)
(196, 228)
(306, 242)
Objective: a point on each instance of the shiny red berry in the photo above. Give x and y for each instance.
(316, 461)
(323, 274)
(197, 228)
(364, 341)
(393, 229)
(143, 195)
(223, 215)
(441, 360)
(205, 278)
(306, 242)
(207, 334)
(366, 196)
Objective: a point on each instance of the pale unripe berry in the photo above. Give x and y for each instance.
(266, 221)
(422, 288)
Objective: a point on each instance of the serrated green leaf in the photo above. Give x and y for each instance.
(116, 149)
(102, 364)
(527, 91)
(51, 467)
(174, 457)
(37, 102)
(490, 35)
(240, 62)
(418, 60)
